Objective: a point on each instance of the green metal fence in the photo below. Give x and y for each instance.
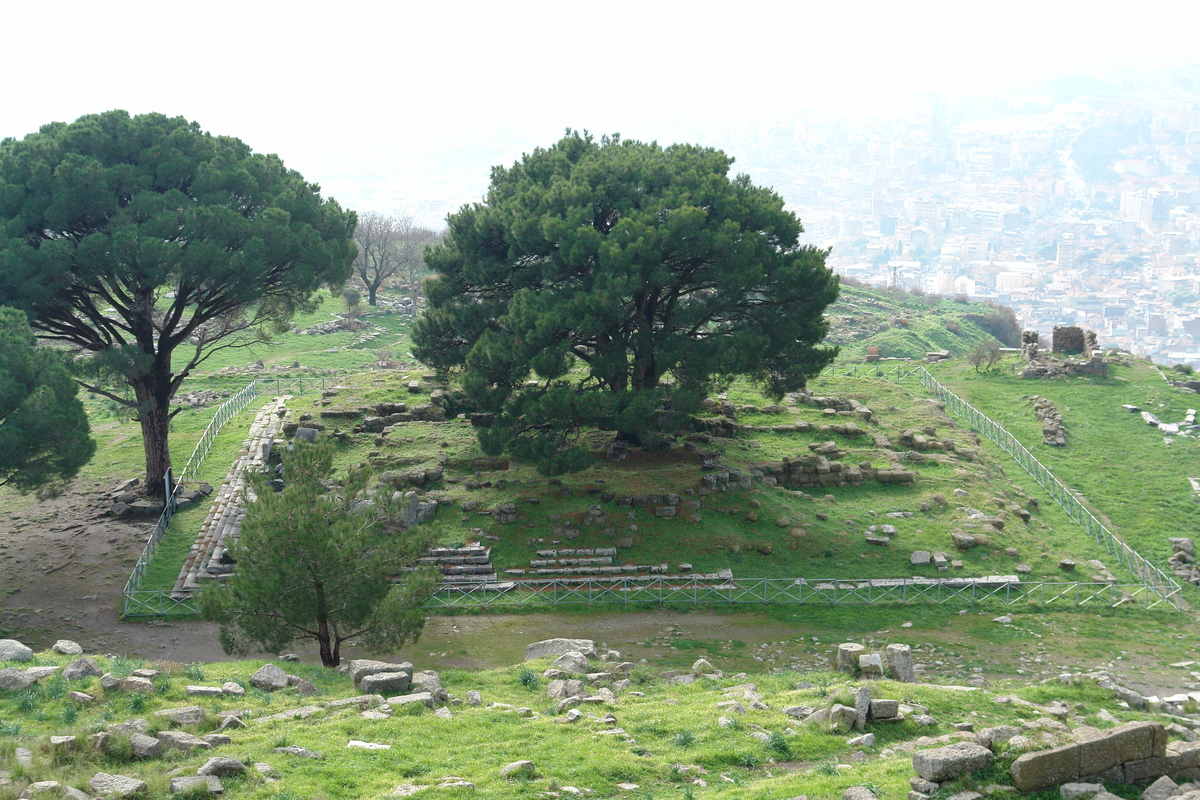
(666, 590)
(138, 603)
(1154, 578)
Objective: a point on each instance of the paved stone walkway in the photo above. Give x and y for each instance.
(224, 519)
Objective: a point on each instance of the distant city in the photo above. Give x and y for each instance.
(1073, 213)
(1076, 203)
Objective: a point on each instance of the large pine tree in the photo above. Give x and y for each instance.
(613, 284)
(153, 244)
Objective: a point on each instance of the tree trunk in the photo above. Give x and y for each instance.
(329, 652)
(154, 409)
(329, 655)
(371, 294)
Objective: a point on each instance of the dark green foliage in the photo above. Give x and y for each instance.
(137, 237)
(43, 428)
(1001, 322)
(614, 284)
(528, 678)
(317, 564)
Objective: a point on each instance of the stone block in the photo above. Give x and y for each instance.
(106, 785)
(1147, 769)
(386, 682)
(884, 709)
(362, 667)
(269, 678)
(1135, 741)
(1096, 755)
(144, 746)
(944, 763)
(1045, 768)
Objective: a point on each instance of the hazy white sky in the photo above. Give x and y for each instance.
(385, 102)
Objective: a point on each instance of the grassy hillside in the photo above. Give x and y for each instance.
(907, 325)
(655, 738)
(1132, 476)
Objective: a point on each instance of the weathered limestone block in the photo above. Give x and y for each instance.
(944, 763)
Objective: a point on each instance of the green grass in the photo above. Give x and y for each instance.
(1135, 482)
(669, 725)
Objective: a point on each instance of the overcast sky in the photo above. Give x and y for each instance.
(383, 104)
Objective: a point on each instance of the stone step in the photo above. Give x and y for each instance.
(447, 560)
(605, 561)
(585, 552)
(469, 550)
(489, 577)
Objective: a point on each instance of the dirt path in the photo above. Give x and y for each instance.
(63, 563)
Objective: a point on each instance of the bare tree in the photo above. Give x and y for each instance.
(986, 354)
(376, 239)
(413, 239)
(391, 247)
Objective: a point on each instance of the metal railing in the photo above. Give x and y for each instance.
(625, 591)
(1154, 578)
(135, 602)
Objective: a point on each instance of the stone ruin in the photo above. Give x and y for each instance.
(1073, 351)
(1053, 433)
(1183, 560)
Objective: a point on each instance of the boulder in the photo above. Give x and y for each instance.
(842, 718)
(63, 743)
(128, 726)
(523, 769)
(573, 661)
(295, 750)
(269, 678)
(136, 684)
(183, 715)
(222, 767)
(179, 740)
(944, 763)
(428, 681)
(232, 689)
(558, 689)
(1162, 789)
(81, 668)
(862, 706)
(193, 785)
(37, 673)
(425, 698)
(65, 647)
(106, 785)
(144, 746)
(14, 679)
(558, 647)
(12, 650)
